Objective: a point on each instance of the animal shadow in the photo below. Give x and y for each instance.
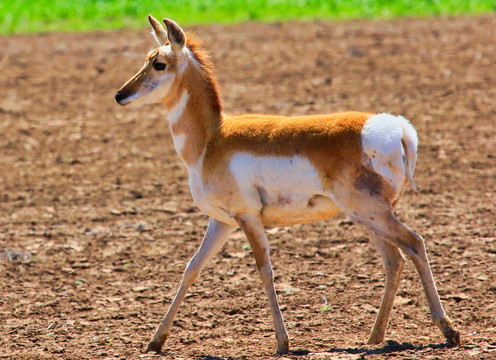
(390, 347)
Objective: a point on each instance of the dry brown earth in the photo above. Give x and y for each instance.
(97, 196)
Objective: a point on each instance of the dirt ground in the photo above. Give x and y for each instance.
(97, 223)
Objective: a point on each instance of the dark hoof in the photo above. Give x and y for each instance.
(283, 348)
(154, 346)
(453, 337)
(375, 340)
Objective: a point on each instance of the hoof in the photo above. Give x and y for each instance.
(283, 348)
(375, 340)
(154, 346)
(453, 337)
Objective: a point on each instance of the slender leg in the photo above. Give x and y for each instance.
(393, 263)
(216, 233)
(375, 211)
(439, 317)
(413, 246)
(254, 231)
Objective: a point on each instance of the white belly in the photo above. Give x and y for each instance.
(286, 190)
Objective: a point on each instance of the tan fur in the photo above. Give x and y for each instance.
(328, 141)
(196, 123)
(328, 149)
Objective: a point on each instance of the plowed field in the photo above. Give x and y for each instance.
(97, 223)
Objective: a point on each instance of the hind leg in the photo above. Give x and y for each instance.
(411, 244)
(393, 263)
(366, 203)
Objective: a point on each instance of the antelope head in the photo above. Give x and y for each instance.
(162, 67)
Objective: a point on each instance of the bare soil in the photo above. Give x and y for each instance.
(97, 223)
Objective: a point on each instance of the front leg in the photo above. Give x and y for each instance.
(253, 228)
(216, 233)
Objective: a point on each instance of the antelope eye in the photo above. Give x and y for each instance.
(159, 66)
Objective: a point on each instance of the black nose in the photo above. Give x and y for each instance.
(118, 97)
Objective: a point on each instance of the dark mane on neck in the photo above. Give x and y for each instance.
(203, 58)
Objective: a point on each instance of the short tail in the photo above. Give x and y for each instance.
(409, 141)
(389, 140)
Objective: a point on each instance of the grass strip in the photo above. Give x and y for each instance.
(28, 16)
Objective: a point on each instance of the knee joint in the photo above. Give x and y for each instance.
(192, 271)
(266, 273)
(415, 246)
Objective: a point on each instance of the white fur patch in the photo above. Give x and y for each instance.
(182, 59)
(177, 110)
(174, 115)
(151, 91)
(161, 88)
(195, 62)
(159, 38)
(381, 143)
(167, 49)
(272, 181)
(179, 141)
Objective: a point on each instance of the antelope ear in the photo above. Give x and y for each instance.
(177, 37)
(158, 31)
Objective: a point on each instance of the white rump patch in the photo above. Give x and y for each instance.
(382, 137)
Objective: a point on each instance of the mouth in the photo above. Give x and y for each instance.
(121, 99)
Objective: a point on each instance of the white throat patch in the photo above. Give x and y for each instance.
(177, 110)
(179, 142)
(174, 115)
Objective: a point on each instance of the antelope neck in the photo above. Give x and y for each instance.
(192, 119)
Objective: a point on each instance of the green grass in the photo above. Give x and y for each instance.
(27, 16)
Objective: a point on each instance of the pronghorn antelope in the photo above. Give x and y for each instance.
(252, 171)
